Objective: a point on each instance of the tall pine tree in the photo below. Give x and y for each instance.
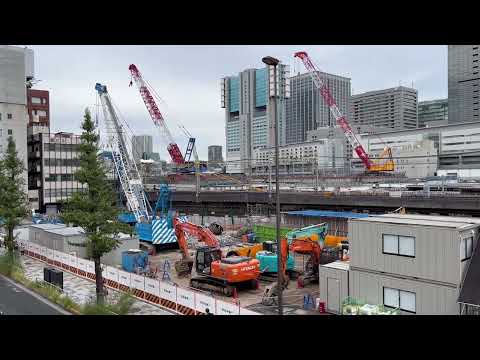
(94, 209)
(13, 199)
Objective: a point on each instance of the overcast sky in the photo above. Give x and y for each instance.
(187, 78)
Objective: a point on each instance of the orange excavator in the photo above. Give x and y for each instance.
(209, 270)
(319, 253)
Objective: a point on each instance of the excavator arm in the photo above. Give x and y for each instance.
(202, 233)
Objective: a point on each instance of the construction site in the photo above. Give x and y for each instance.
(258, 240)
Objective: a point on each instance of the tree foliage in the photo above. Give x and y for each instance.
(13, 199)
(94, 208)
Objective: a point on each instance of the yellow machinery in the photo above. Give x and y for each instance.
(386, 165)
(245, 249)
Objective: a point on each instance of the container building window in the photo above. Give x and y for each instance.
(466, 248)
(399, 299)
(36, 100)
(398, 245)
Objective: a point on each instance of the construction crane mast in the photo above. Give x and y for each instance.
(156, 115)
(342, 120)
(126, 169)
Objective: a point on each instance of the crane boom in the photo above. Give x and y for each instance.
(339, 117)
(156, 115)
(126, 169)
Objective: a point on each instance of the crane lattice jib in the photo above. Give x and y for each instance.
(156, 115)
(125, 168)
(339, 117)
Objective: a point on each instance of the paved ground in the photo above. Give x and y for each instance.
(16, 300)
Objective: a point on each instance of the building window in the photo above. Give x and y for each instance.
(44, 101)
(466, 248)
(10, 132)
(9, 116)
(36, 100)
(399, 299)
(398, 245)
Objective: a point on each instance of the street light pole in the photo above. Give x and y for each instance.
(274, 62)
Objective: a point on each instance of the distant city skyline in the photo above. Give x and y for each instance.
(190, 89)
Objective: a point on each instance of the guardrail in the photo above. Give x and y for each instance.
(164, 294)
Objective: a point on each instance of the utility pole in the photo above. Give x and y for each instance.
(270, 180)
(268, 60)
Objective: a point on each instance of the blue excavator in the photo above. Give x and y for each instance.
(297, 241)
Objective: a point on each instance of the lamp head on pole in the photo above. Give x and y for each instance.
(270, 60)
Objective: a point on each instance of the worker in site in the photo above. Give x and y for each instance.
(207, 312)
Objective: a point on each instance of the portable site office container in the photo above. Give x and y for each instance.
(36, 234)
(333, 282)
(422, 259)
(72, 240)
(68, 240)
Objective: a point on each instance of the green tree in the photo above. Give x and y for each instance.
(94, 208)
(13, 199)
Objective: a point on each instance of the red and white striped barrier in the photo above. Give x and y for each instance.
(160, 293)
(111, 277)
(225, 308)
(50, 256)
(204, 302)
(90, 270)
(82, 267)
(168, 295)
(185, 301)
(152, 291)
(124, 281)
(137, 283)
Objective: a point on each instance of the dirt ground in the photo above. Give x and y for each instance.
(292, 296)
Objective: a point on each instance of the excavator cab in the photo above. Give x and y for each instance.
(204, 258)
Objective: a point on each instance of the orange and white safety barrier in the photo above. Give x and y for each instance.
(164, 294)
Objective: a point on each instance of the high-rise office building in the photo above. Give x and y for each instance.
(249, 115)
(432, 113)
(306, 110)
(16, 71)
(463, 83)
(394, 108)
(215, 153)
(142, 146)
(215, 157)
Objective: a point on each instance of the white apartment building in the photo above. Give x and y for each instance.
(303, 158)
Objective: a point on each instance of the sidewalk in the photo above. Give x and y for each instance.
(81, 290)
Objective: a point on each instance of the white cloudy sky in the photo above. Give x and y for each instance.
(187, 78)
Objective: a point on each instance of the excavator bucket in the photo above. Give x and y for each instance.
(183, 267)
